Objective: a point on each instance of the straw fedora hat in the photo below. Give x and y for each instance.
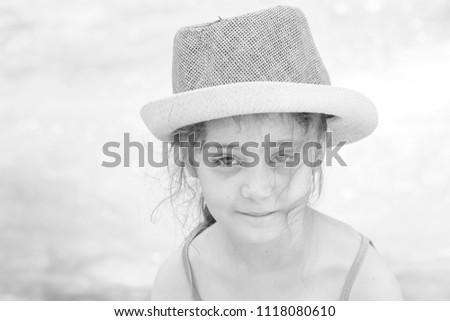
(262, 62)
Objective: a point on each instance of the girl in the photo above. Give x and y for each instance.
(247, 86)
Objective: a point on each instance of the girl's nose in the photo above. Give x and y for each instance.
(259, 182)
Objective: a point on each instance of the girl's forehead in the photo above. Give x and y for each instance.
(252, 127)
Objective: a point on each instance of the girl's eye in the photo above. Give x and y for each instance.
(283, 157)
(227, 161)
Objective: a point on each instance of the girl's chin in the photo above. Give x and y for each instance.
(252, 229)
(256, 234)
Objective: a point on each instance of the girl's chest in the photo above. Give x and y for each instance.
(284, 285)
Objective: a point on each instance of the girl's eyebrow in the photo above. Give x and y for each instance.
(235, 146)
(214, 144)
(291, 142)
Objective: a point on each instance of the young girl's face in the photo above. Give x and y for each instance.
(260, 203)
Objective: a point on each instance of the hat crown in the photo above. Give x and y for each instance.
(269, 45)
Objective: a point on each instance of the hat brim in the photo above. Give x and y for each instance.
(355, 116)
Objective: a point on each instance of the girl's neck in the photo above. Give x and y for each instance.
(276, 254)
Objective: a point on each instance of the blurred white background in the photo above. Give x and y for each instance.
(74, 74)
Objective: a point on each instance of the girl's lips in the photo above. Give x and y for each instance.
(257, 214)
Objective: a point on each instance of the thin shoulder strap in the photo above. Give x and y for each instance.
(353, 273)
(189, 273)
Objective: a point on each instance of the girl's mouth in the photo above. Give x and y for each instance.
(257, 214)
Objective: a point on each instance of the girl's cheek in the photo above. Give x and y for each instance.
(225, 172)
(216, 183)
(221, 179)
(296, 181)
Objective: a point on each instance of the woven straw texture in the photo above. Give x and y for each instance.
(255, 63)
(271, 45)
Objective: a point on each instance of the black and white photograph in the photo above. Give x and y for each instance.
(224, 150)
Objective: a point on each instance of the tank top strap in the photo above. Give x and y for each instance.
(188, 269)
(356, 266)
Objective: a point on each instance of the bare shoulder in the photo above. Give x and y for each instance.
(335, 236)
(339, 240)
(171, 283)
(375, 280)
